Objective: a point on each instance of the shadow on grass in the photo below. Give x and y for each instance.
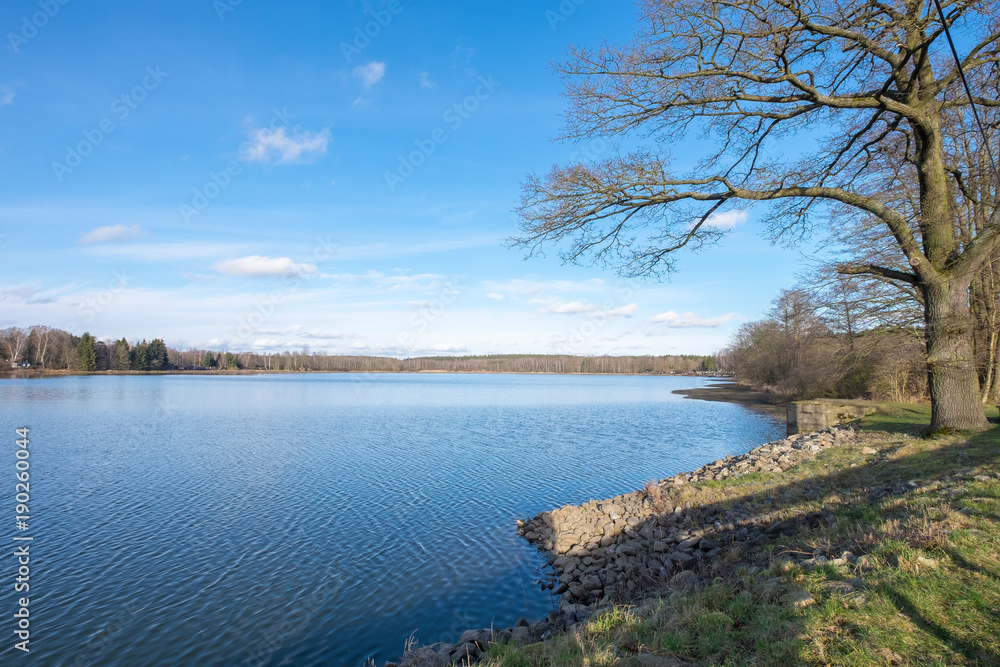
(878, 484)
(960, 561)
(977, 654)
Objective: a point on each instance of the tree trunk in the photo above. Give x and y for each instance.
(991, 362)
(954, 382)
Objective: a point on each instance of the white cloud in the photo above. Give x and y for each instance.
(624, 311)
(277, 146)
(521, 287)
(6, 96)
(448, 347)
(688, 320)
(726, 220)
(167, 252)
(425, 81)
(579, 307)
(112, 233)
(384, 250)
(328, 335)
(26, 295)
(256, 266)
(370, 74)
(571, 308)
(495, 296)
(419, 281)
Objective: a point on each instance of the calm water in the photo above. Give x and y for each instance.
(318, 519)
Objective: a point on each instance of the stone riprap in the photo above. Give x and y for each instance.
(614, 551)
(594, 546)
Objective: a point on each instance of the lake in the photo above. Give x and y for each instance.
(319, 519)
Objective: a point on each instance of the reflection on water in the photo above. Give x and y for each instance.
(321, 519)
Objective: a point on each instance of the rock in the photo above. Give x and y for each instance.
(840, 587)
(521, 636)
(685, 580)
(869, 450)
(927, 562)
(482, 638)
(799, 598)
(689, 543)
(684, 560)
(537, 629)
(465, 654)
(427, 656)
(446, 649)
(865, 563)
(522, 623)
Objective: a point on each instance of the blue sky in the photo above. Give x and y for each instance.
(251, 175)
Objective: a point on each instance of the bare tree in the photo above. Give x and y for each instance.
(875, 74)
(888, 305)
(42, 334)
(15, 341)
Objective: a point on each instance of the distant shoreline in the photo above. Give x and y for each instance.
(728, 391)
(22, 374)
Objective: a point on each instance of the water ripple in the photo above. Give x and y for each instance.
(320, 519)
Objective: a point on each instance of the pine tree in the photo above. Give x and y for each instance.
(86, 351)
(140, 356)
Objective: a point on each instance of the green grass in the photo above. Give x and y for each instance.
(929, 582)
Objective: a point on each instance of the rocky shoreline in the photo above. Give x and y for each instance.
(644, 543)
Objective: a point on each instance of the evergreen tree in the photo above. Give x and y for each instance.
(140, 356)
(86, 351)
(120, 359)
(156, 353)
(232, 361)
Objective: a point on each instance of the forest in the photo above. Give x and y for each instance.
(50, 349)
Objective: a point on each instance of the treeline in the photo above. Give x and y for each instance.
(53, 349)
(315, 361)
(856, 325)
(802, 349)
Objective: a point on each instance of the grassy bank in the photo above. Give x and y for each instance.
(920, 586)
